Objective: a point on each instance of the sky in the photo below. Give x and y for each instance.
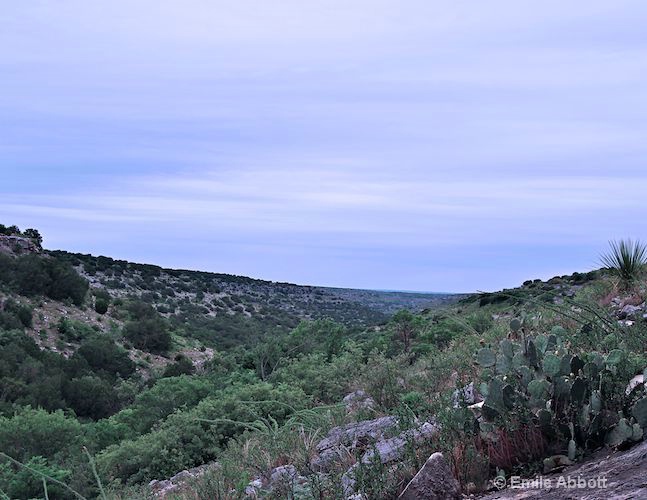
(408, 145)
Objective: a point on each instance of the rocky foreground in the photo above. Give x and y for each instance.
(620, 475)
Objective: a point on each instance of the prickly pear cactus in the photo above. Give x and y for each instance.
(639, 412)
(503, 364)
(619, 434)
(576, 365)
(541, 342)
(543, 381)
(615, 357)
(578, 391)
(507, 348)
(486, 357)
(551, 365)
(531, 353)
(558, 331)
(572, 450)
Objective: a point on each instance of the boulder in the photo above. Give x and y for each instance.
(433, 481)
(619, 475)
(181, 476)
(392, 449)
(358, 400)
(284, 473)
(161, 488)
(339, 439)
(164, 487)
(17, 245)
(280, 480)
(253, 489)
(347, 434)
(630, 311)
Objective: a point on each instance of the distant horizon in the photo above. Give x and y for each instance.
(374, 145)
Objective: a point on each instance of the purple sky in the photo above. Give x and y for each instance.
(416, 145)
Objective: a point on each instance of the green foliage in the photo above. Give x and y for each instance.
(167, 395)
(405, 328)
(91, 397)
(194, 436)
(31, 376)
(35, 432)
(560, 390)
(73, 330)
(327, 381)
(31, 275)
(626, 258)
(321, 335)
(101, 305)
(147, 330)
(14, 315)
(104, 356)
(181, 366)
(23, 483)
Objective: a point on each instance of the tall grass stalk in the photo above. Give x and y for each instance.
(96, 475)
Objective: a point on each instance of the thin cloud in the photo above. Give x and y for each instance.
(415, 144)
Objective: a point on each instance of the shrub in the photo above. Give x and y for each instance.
(32, 432)
(15, 315)
(101, 305)
(195, 436)
(91, 397)
(73, 330)
(147, 330)
(626, 259)
(167, 395)
(103, 355)
(150, 334)
(19, 482)
(32, 274)
(182, 366)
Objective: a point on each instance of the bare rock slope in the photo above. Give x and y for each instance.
(622, 475)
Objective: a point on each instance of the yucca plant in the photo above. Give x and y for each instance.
(626, 258)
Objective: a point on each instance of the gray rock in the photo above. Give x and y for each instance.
(253, 489)
(284, 475)
(17, 245)
(335, 445)
(358, 400)
(434, 481)
(181, 476)
(347, 434)
(630, 311)
(348, 483)
(327, 458)
(161, 487)
(392, 449)
(467, 395)
(617, 476)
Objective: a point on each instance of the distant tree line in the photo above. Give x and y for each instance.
(32, 234)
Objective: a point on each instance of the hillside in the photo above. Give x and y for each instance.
(185, 384)
(170, 290)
